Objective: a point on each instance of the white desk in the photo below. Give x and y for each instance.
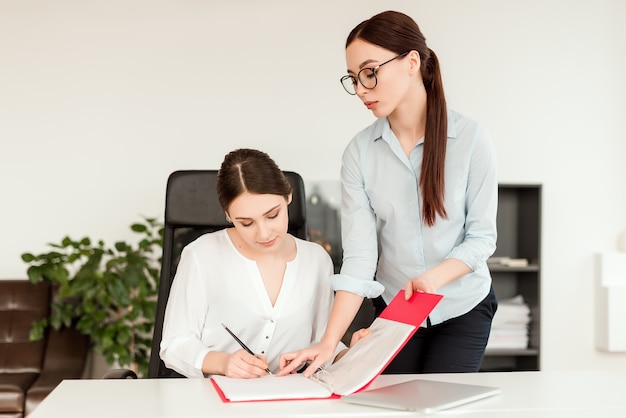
(524, 394)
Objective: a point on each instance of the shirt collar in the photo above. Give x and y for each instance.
(382, 129)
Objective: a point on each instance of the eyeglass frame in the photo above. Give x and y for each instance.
(372, 69)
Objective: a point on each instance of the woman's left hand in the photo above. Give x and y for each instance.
(418, 284)
(436, 278)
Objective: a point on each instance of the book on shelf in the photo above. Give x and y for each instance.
(508, 261)
(353, 372)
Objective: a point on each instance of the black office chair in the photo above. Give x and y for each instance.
(192, 209)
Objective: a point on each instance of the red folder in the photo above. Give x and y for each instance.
(412, 312)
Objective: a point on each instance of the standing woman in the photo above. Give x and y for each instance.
(419, 203)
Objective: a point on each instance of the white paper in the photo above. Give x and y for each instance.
(292, 386)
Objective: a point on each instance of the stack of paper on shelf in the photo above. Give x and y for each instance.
(509, 329)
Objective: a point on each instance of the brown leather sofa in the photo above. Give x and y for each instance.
(29, 370)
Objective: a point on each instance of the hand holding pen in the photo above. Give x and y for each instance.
(244, 346)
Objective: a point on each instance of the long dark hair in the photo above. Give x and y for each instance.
(399, 33)
(249, 170)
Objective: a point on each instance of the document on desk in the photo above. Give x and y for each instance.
(353, 372)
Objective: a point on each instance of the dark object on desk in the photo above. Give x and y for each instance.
(192, 209)
(29, 370)
(425, 396)
(120, 374)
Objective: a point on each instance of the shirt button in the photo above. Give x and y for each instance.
(267, 337)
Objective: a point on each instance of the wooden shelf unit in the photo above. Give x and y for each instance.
(519, 236)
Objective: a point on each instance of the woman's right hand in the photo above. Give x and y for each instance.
(358, 336)
(242, 364)
(317, 354)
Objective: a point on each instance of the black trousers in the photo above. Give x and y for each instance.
(456, 345)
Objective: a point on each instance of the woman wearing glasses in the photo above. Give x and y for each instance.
(419, 201)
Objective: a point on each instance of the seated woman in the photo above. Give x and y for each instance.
(267, 286)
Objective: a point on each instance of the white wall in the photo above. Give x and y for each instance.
(101, 100)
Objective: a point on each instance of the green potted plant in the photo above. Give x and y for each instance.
(107, 293)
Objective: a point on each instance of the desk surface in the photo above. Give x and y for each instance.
(524, 394)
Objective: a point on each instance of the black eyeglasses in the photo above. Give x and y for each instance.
(367, 77)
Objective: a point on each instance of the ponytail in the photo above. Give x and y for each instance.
(432, 179)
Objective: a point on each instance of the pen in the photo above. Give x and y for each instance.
(243, 346)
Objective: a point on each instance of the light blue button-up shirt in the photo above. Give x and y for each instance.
(383, 233)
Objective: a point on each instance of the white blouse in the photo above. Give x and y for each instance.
(216, 284)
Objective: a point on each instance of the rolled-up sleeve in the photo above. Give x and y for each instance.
(359, 235)
(481, 204)
(361, 287)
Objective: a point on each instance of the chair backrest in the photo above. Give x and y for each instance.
(192, 209)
